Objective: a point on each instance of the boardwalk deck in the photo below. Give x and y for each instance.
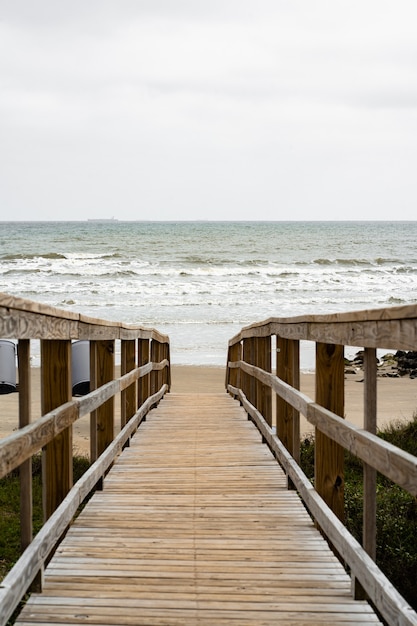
(195, 526)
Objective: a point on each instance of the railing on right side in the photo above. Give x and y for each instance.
(249, 378)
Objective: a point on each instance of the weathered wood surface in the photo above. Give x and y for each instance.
(26, 319)
(389, 327)
(395, 464)
(24, 572)
(195, 526)
(19, 446)
(395, 610)
(57, 454)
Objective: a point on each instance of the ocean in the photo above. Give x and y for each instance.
(200, 282)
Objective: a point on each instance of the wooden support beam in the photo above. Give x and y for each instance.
(233, 374)
(288, 419)
(329, 456)
(25, 470)
(167, 371)
(264, 392)
(245, 377)
(369, 473)
(56, 390)
(101, 372)
(155, 358)
(144, 382)
(128, 396)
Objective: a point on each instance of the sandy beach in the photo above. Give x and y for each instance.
(397, 399)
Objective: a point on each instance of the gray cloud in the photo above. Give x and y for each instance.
(196, 110)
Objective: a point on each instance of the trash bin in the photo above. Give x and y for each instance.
(7, 366)
(80, 367)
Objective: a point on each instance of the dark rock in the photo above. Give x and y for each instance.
(407, 363)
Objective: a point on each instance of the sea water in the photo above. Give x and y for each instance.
(200, 282)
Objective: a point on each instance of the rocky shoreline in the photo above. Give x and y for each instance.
(390, 365)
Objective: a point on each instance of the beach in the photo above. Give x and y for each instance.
(397, 399)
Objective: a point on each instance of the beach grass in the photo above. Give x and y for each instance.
(10, 507)
(396, 509)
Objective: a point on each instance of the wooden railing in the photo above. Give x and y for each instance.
(145, 378)
(249, 378)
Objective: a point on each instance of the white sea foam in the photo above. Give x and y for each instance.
(201, 282)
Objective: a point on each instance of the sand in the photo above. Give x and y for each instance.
(397, 399)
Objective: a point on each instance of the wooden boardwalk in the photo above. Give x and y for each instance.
(195, 525)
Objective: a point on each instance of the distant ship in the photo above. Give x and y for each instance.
(103, 219)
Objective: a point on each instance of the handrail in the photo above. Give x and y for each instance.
(249, 378)
(27, 441)
(23, 573)
(145, 378)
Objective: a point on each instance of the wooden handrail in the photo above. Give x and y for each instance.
(390, 328)
(144, 354)
(393, 328)
(26, 442)
(23, 573)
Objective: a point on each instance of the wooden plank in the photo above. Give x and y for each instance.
(25, 470)
(370, 424)
(57, 454)
(392, 462)
(128, 395)
(18, 580)
(102, 365)
(195, 525)
(287, 418)
(389, 327)
(143, 359)
(390, 603)
(329, 455)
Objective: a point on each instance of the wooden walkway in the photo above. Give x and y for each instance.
(195, 525)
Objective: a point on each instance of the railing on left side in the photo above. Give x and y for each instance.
(249, 378)
(145, 378)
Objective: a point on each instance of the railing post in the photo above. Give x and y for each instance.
(144, 381)
(369, 491)
(245, 378)
(25, 470)
(167, 370)
(101, 372)
(264, 392)
(155, 352)
(329, 456)
(56, 390)
(128, 395)
(250, 358)
(369, 473)
(288, 418)
(233, 374)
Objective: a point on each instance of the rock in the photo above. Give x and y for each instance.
(407, 363)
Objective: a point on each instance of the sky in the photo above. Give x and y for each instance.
(208, 109)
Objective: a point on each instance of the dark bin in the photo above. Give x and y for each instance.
(80, 367)
(7, 366)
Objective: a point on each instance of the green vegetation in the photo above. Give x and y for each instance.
(396, 510)
(10, 507)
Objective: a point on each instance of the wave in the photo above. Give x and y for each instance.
(29, 257)
(350, 262)
(23, 271)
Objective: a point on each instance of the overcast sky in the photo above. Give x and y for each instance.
(207, 109)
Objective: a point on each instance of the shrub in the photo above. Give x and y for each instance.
(396, 510)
